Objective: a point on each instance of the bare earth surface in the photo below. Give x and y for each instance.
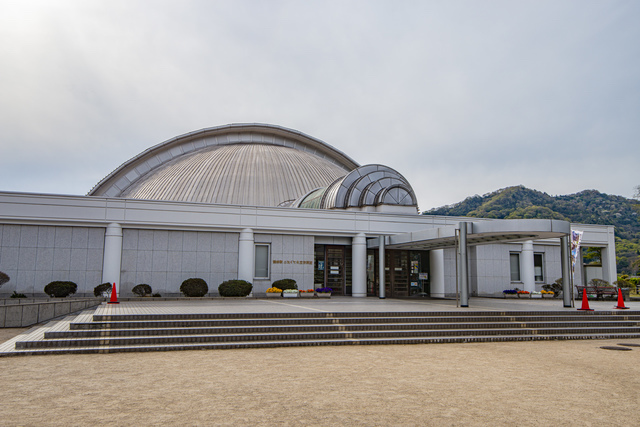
(522, 383)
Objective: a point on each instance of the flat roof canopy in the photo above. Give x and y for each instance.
(479, 233)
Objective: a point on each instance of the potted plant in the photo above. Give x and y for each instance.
(324, 292)
(536, 295)
(524, 294)
(309, 293)
(290, 293)
(510, 293)
(547, 294)
(274, 292)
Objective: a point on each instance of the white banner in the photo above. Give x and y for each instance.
(576, 238)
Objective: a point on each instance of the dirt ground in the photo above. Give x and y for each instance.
(521, 383)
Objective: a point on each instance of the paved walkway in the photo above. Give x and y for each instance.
(346, 304)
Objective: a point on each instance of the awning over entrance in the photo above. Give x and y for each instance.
(478, 233)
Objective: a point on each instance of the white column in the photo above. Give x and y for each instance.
(528, 274)
(436, 273)
(381, 269)
(359, 266)
(463, 267)
(246, 256)
(112, 257)
(609, 268)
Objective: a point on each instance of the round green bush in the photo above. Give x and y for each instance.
(285, 284)
(4, 278)
(142, 290)
(235, 288)
(102, 290)
(60, 289)
(194, 287)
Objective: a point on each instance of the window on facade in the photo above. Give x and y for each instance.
(261, 261)
(514, 261)
(538, 267)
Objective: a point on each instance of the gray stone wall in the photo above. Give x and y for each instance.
(164, 259)
(292, 251)
(35, 255)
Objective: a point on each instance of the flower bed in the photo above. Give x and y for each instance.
(274, 292)
(290, 293)
(309, 293)
(510, 293)
(324, 292)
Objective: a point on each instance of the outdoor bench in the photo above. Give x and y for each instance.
(598, 291)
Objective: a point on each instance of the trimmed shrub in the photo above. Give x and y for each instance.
(4, 278)
(285, 284)
(60, 289)
(235, 288)
(194, 288)
(102, 290)
(142, 290)
(17, 295)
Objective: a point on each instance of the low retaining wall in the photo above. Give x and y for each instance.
(22, 314)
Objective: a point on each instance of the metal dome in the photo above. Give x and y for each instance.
(248, 164)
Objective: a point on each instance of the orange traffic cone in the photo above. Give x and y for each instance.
(114, 296)
(620, 301)
(585, 302)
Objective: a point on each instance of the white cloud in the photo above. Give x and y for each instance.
(461, 97)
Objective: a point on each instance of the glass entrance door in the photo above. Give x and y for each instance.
(335, 269)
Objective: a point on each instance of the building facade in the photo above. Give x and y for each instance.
(262, 203)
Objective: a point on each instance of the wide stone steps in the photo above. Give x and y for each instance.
(153, 330)
(195, 323)
(160, 332)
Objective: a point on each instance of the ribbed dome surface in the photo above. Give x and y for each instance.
(238, 174)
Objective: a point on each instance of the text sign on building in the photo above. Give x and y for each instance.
(281, 261)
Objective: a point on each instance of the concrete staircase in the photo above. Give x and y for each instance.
(89, 333)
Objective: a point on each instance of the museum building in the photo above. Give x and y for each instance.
(261, 203)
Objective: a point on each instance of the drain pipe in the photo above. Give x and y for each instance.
(381, 266)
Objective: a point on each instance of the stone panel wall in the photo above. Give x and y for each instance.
(35, 255)
(164, 259)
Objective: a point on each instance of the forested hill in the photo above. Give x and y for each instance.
(587, 207)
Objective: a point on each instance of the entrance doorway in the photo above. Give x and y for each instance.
(332, 268)
(406, 273)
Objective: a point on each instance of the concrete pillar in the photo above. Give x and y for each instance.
(528, 274)
(112, 257)
(359, 266)
(463, 270)
(565, 262)
(246, 255)
(609, 270)
(381, 260)
(436, 275)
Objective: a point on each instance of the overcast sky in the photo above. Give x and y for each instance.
(461, 97)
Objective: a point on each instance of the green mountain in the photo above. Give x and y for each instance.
(587, 207)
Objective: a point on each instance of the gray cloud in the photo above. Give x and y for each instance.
(461, 97)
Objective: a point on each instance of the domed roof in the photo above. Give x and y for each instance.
(241, 164)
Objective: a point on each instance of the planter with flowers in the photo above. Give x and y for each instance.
(524, 294)
(324, 292)
(547, 294)
(290, 293)
(309, 293)
(536, 295)
(510, 293)
(274, 292)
